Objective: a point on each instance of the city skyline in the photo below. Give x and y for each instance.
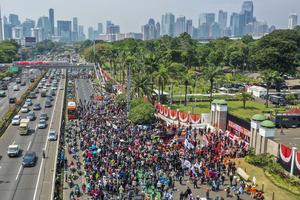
(131, 18)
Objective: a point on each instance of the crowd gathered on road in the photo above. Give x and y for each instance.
(112, 159)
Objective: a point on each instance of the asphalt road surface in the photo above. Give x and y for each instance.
(84, 89)
(17, 182)
(4, 105)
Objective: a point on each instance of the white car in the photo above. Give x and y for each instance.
(16, 120)
(16, 88)
(13, 150)
(52, 136)
(25, 109)
(53, 88)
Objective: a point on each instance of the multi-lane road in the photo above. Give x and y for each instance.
(17, 182)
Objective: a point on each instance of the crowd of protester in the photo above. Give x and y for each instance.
(113, 159)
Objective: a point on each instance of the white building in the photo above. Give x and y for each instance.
(37, 33)
(293, 21)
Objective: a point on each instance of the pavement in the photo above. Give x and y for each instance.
(18, 183)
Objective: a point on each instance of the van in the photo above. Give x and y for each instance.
(18, 80)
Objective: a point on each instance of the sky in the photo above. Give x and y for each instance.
(132, 14)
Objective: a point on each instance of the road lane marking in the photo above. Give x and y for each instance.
(19, 172)
(45, 148)
(29, 145)
(13, 142)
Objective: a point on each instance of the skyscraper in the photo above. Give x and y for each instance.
(208, 18)
(112, 28)
(51, 19)
(100, 28)
(189, 27)
(75, 29)
(222, 19)
(180, 26)
(1, 30)
(44, 24)
(81, 35)
(293, 21)
(157, 30)
(91, 35)
(27, 25)
(167, 24)
(235, 24)
(64, 30)
(247, 11)
(14, 20)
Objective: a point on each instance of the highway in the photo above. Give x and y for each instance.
(4, 105)
(84, 89)
(17, 182)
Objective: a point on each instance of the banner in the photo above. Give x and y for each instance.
(166, 111)
(285, 153)
(195, 119)
(183, 116)
(173, 114)
(297, 160)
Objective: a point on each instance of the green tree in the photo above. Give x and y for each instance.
(245, 96)
(210, 74)
(269, 77)
(141, 85)
(142, 113)
(162, 76)
(290, 98)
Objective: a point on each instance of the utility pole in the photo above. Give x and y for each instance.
(128, 89)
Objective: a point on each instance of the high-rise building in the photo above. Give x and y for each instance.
(208, 18)
(145, 32)
(5, 21)
(151, 31)
(214, 31)
(247, 11)
(293, 21)
(1, 30)
(222, 19)
(64, 30)
(14, 20)
(180, 26)
(44, 24)
(37, 33)
(81, 35)
(17, 33)
(112, 28)
(167, 24)
(27, 25)
(100, 28)
(189, 27)
(91, 35)
(51, 19)
(235, 24)
(203, 31)
(75, 29)
(7, 30)
(157, 30)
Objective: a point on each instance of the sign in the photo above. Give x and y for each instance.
(239, 128)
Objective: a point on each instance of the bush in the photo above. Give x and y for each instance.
(142, 113)
(121, 99)
(109, 87)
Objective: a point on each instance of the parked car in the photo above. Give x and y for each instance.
(13, 150)
(48, 104)
(29, 159)
(32, 95)
(16, 120)
(16, 88)
(28, 102)
(52, 136)
(12, 100)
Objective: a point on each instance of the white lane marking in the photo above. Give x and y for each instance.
(56, 154)
(18, 172)
(45, 148)
(13, 142)
(29, 145)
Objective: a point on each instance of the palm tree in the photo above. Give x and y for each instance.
(245, 96)
(162, 76)
(210, 74)
(142, 86)
(269, 77)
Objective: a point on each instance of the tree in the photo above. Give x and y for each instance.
(162, 76)
(142, 113)
(290, 98)
(141, 85)
(245, 96)
(211, 73)
(269, 77)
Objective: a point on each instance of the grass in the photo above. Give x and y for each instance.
(234, 107)
(269, 186)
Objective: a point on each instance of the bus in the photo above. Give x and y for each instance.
(71, 110)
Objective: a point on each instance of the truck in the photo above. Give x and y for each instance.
(44, 93)
(24, 129)
(277, 100)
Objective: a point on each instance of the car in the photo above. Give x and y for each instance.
(44, 116)
(40, 85)
(62, 87)
(48, 84)
(52, 92)
(31, 116)
(48, 104)
(25, 108)
(44, 88)
(36, 90)
(2, 93)
(50, 98)
(53, 88)
(32, 80)
(23, 83)
(16, 120)
(12, 100)
(28, 102)
(32, 95)
(29, 159)
(13, 150)
(42, 124)
(52, 136)
(16, 88)
(37, 106)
